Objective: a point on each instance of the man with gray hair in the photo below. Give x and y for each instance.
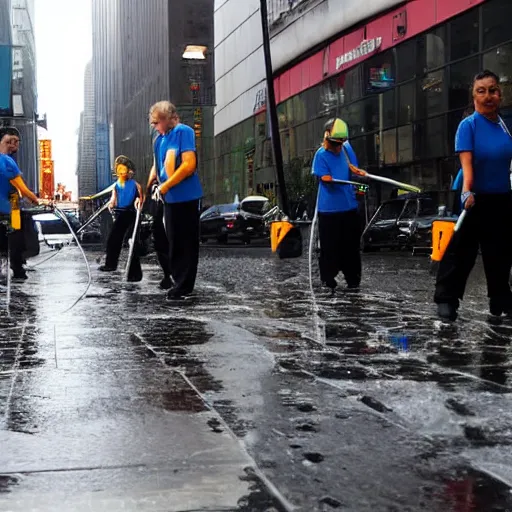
(175, 171)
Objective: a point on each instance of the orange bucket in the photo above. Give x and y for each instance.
(278, 231)
(442, 232)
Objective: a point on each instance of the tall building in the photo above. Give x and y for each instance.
(18, 88)
(144, 53)
(398, 72)
(86, 161)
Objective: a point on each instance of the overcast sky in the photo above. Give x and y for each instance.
(63, 41)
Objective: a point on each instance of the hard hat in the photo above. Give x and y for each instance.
(338, 130)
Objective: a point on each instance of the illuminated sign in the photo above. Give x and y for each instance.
(47, 186)
(365, 48)
(45, 149)
(46, 179)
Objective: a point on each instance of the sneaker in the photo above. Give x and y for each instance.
(166, 283)
(174, 294)
(104, 268)
(447, 311)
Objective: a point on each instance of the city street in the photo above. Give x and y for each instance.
(252, 395)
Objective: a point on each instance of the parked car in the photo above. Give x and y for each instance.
(402, 223)
(53, 230)
(242, 221)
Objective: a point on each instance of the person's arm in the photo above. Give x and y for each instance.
(24, 190)
(188, 161)
(139, 201)
(465, 145)
(152, 176)
(113, 200)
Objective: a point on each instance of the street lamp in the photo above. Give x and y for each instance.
(272, 110)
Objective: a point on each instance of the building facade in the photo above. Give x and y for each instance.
(399, 74)
(139, 58)
(18, 87)
(86, 159)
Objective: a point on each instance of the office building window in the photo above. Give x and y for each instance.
(464, 35)
(388, 109)
(499, 60)
(461, 75)
(405, 144)
(353, 84)
(388, 147)
(433, 49)
(406, 63)
(496, 16)
(406, 103)
(431, 94)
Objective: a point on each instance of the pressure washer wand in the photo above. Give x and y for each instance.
(92, 218)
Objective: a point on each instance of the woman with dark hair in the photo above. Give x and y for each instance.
(484, 145)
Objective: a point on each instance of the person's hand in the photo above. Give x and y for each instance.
(468, 200)
(155, 193)
(356, 170)
(138, 203)
(163, 189)
(111, 205)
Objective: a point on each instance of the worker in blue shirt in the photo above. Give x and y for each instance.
(126, 197)
(175, 171)
(9, 145)
(339, 224)
(484, 145)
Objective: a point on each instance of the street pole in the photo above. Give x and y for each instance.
(272, 110)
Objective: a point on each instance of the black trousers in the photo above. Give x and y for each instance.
(124, 222)
(160, 242)
(487, 225)
(182, 229)
(17, 248)
(340, 235)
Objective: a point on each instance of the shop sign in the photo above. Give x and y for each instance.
(365, 48)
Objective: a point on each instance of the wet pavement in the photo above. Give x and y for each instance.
(254, 394)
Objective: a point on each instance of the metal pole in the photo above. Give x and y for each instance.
(272, 110)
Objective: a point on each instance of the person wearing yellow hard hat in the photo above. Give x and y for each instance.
(339, 224)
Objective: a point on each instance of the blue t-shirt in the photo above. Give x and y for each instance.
(126, 192)
(180, 140)
(333, 198)
(8, 171)
(491, 146)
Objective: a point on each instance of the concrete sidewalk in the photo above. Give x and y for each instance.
(93, 420)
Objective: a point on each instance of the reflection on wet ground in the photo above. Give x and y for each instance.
(386, 395)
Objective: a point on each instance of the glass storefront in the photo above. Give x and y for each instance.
(402, 106)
